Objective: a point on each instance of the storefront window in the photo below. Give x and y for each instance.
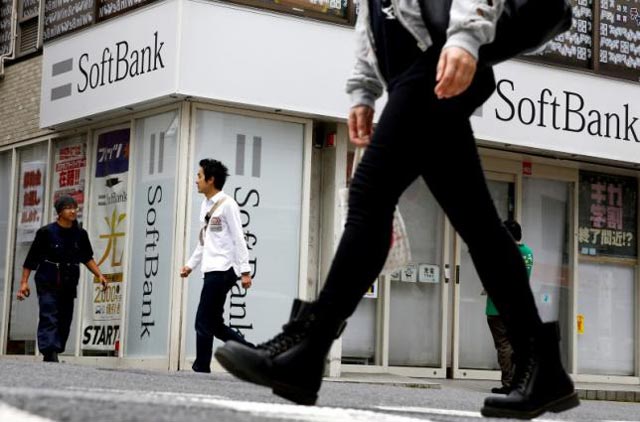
(412, 344)
(109, 234)
(359, 336)
(545, 229)
(153, 227)
(606, 313)
(23, 319)
(608, 250)
(265, 161)
(5, 191)
(476, 349)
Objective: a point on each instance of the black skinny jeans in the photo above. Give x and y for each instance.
(419, 135)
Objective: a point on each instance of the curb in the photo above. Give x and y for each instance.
(608, 395)
(407, 384)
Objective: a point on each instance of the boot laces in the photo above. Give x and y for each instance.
(292, 333)
(524, 374)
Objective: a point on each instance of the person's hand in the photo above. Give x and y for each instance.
(246, 281)
(185, 271)
(104, 282)
(455, 72)
(360, 125)
(24, 291)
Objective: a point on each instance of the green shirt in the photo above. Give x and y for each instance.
(527, 255)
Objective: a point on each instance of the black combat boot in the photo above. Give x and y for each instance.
(292, 363)
(540, 383)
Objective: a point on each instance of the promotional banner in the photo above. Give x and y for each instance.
(153, 224)
(109, 238)
(608, 209)
(70, 162)
(30, 200)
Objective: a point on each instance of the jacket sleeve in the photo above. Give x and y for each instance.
(37, 251)
(363, 86)
(473, 23)
(86, 250)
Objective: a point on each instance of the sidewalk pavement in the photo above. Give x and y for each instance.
(586, 391)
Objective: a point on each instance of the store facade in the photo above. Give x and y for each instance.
(135, 102)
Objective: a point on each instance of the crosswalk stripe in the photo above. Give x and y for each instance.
(9, 413)
(261, 409)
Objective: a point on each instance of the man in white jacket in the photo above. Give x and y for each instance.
(434, 84)
(222, 255)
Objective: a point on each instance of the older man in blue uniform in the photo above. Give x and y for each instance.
(56, 254)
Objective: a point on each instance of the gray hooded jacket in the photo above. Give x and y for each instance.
(472, 24)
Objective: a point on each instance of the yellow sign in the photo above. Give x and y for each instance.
(580, 324)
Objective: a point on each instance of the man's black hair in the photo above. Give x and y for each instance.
(217, 170)
(514, 228)
(63, 202)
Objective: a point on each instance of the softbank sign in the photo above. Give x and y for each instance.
(122, 62)
(115, 64)
(563, 111)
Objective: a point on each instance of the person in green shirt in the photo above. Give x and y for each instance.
(496, 323)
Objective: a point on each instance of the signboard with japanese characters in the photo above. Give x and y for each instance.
(428, 273)
(111, 8)
(608, 215)
(574, 47)
(6, 12)
(64, 16)
(108, 233)
(29, 9)
(69, 172)
(317, 8)
(619, 38)
(31, 200)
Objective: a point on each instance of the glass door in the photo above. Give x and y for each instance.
(474, 354)
(401, 326)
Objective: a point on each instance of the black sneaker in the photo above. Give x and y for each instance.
(292, 363)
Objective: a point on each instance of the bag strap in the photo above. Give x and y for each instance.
(213, 209)
(207, 217)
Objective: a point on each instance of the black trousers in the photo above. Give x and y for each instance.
(421, 136)
(209, 317)
(55, 316)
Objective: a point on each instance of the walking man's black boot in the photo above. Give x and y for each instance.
(540, 383)
(292, 363)
(50, 356)
(204, 350)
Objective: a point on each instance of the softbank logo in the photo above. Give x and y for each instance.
(241, 152)
(156, 154)
(61, 68)
(116, 63)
